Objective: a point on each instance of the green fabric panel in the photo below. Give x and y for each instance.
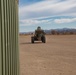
(9, 52)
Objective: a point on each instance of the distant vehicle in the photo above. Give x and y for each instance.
(38, 36)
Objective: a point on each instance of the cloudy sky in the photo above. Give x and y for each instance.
(49, 14)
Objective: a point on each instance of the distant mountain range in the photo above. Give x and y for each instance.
(63, 30)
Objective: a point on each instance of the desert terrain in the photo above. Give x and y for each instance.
(55, 57)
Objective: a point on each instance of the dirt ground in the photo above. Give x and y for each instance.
(56, 57)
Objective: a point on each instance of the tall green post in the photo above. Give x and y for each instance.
(9, 52)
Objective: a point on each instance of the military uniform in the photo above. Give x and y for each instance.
(39, 32)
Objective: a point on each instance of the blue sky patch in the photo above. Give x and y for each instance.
(49, 14)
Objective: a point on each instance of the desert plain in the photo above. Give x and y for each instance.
(55, 57)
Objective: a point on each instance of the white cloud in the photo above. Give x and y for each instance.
(28, 22)
(47, 11)
(48, 8)
(65, 20)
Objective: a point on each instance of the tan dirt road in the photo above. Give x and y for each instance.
(56, 57)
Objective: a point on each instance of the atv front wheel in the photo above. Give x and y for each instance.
(32, 39)
(43, 39)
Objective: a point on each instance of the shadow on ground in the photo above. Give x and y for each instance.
(31, 43)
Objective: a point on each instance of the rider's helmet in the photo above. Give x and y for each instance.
(38, 28)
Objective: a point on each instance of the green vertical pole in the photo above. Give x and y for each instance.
(0, 44)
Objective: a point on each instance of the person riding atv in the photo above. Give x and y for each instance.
(39, 35)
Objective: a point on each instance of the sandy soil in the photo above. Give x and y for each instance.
(56, 57)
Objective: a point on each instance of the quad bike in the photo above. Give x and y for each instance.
(38, 36)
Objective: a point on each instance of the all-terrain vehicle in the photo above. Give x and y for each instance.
(38, 36)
